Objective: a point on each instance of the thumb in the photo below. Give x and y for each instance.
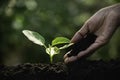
(80, 33)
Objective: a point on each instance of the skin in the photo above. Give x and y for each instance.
(103, 24)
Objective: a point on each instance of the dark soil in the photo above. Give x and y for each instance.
(30, 71)
(80, 70)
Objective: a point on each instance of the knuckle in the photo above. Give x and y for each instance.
(102, 41)
(80, 34)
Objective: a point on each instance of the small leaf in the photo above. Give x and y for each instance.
(34, 37)
(66, 46)
(60, 40)
(52, 51)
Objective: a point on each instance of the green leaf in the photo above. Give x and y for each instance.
(34, 37)
(66, 46)
(60, 40)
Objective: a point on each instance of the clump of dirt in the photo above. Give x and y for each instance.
(82, 44)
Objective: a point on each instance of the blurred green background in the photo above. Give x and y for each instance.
(50, 18)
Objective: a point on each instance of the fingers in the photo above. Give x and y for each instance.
(77, 37)
(66, 55)
(70, 59)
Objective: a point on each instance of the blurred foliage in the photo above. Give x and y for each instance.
(51, 18)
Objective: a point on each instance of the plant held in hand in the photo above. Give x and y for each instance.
(52, 48)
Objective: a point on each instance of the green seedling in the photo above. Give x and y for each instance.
(52, 49)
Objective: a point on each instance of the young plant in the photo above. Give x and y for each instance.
(52, 48)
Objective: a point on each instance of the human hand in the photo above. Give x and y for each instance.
(103, 24)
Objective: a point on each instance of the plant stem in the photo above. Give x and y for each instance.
(51, 59)
(45, 46)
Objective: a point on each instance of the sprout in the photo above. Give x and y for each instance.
(52, 49)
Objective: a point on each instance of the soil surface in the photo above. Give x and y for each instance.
(79, 70)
